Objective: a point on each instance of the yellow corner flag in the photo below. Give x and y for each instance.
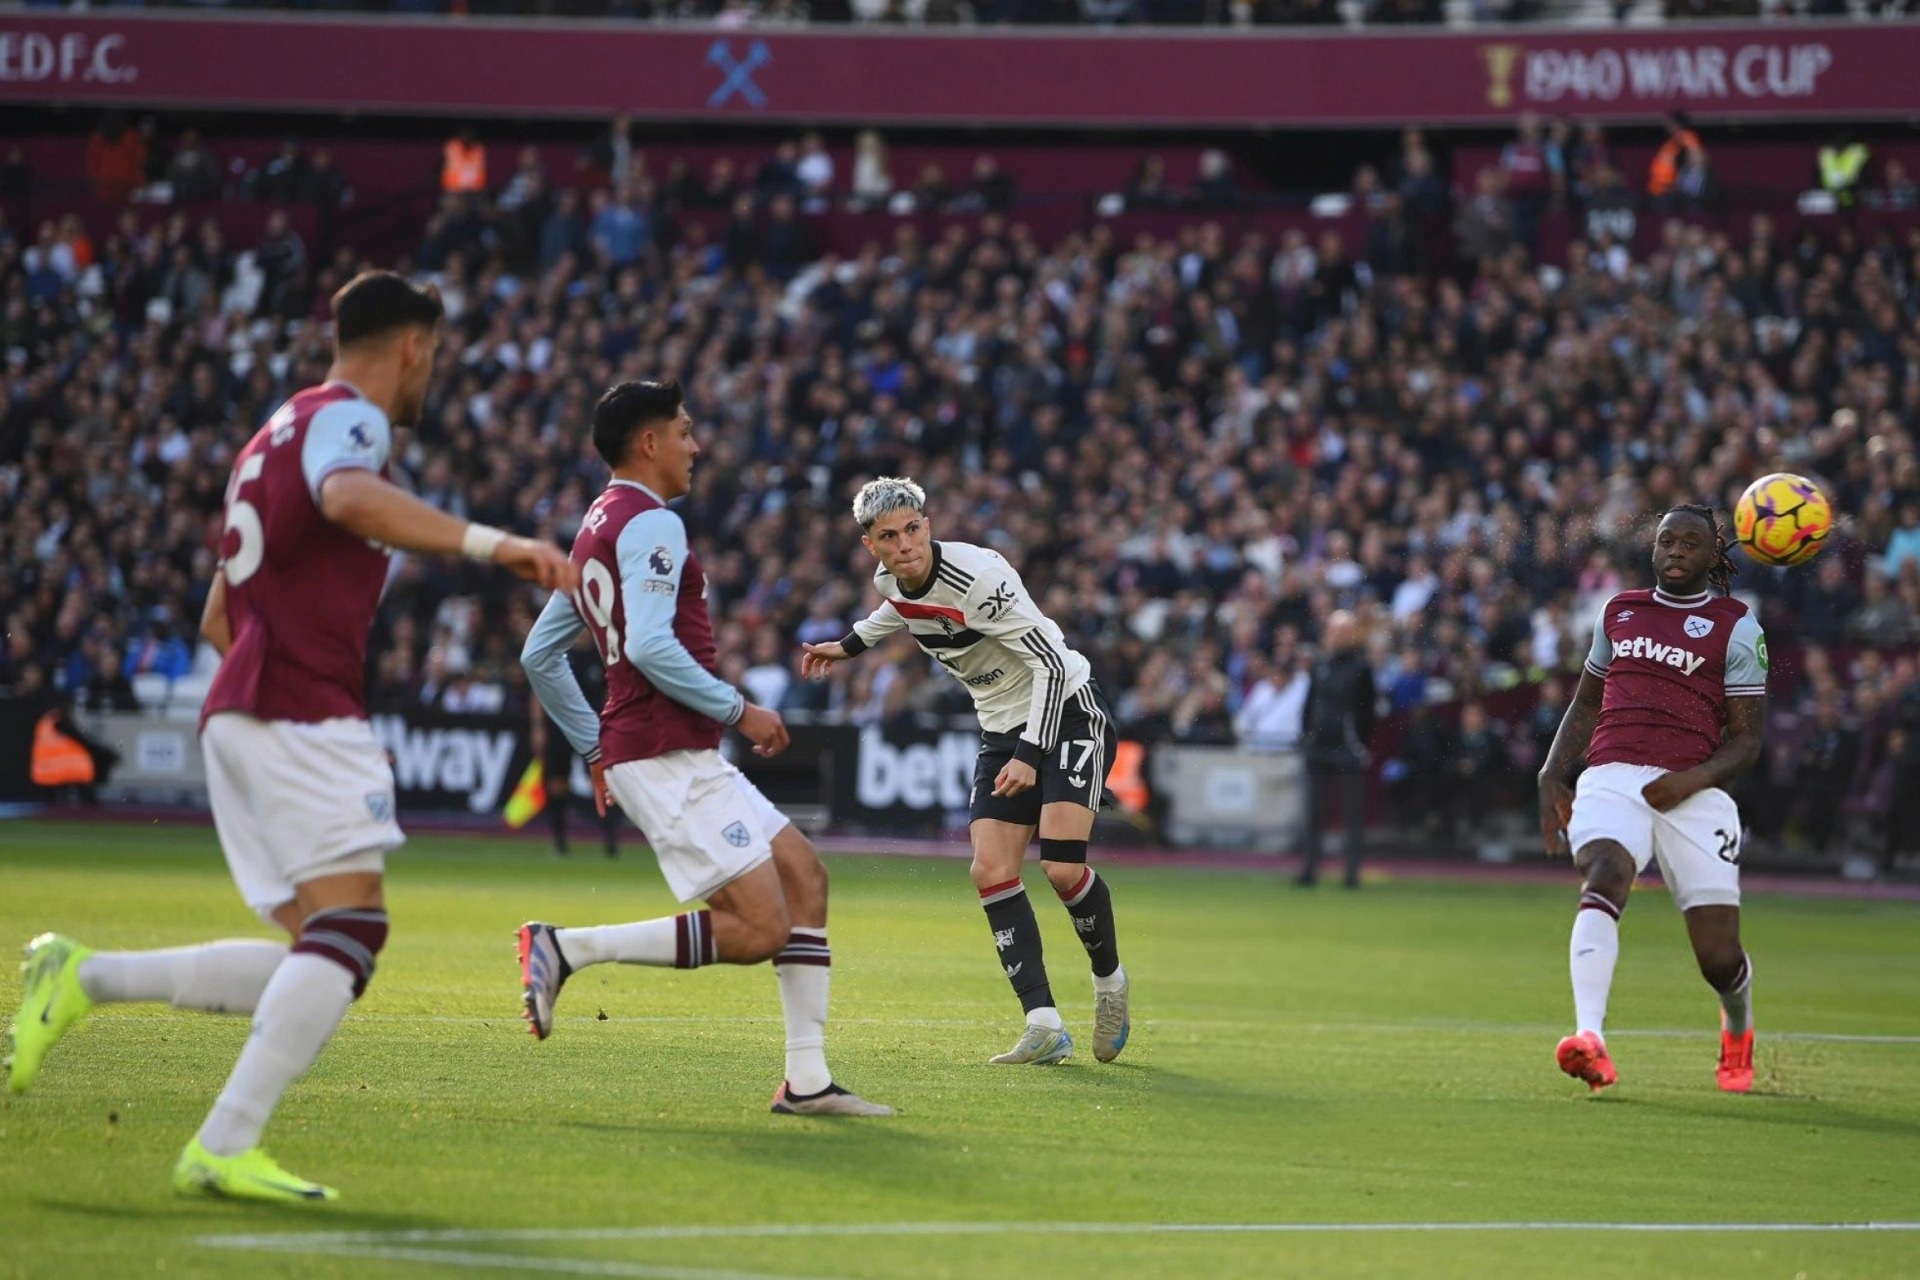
(529, 798)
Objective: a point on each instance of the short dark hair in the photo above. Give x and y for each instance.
(629, 408)
(375, 303)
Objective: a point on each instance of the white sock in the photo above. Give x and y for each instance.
(1046, 1016)
(1736, 1006)
(1592, 953)
(1113, 981)
(303, 1003)
(671, 942)
(219, 977)
(804, 984)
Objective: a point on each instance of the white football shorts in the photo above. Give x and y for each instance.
(707, 824)
(293, 802)
(1697, 842)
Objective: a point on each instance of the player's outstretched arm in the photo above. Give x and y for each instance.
(557, 691)
(1569, 749)
(364, 504)
(816, 660)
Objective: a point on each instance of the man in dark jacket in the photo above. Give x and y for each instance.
(1335, 730)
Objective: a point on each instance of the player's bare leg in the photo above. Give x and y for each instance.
(1064, 830)
(999, 848)
(339, 923)
(804, 968)
(1592, 953)
(1715, 933)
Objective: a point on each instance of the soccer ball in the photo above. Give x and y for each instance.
(1782, 519)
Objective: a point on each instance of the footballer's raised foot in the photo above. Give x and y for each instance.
(1038, 1047)
(1583, 1056)
(53, 1000)
(831, 1101)
(543, 971)
(1111, 1022)
(1735, 1072)
(251, 1175)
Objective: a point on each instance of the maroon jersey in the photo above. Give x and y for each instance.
(301, 590)
(643, 596)
(1670, 664)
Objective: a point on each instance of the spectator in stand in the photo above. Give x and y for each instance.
(779, 173)
(872, 170)
(283, 178)
(1527, 179)
(613, 155)
(1270, 716)
(463, 164)
(722, 185)
(989, 190)
(1826, 761)
(1903, 547)
(1886, 615)
(814, 174)
(562, 233)
(1841, 167)
(1679, 168)
(194, 171)
(930, 190)
(116, 159)
(620, 231)
(786, 245)
(1148, 190)
(1898, 191)
(1480, 765)
(1484, 226)
(1420, 184)
(1216, 188)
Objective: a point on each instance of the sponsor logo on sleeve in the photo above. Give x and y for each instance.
(998, 603)
(1760, 648)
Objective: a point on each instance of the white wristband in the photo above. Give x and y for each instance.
(480, 541)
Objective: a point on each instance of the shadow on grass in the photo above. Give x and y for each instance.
(250, 1216)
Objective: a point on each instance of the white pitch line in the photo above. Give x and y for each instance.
(332, 1241)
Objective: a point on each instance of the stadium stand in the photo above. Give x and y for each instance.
(1200, 431)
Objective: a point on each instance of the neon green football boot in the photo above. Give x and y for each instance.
(251, 1175)
(54, 1000)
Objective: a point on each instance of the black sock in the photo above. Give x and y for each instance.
(1091, 906)
(1016, 934)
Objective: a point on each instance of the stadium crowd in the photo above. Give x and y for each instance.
(1195, 447)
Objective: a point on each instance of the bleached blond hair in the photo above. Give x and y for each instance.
(885, 495)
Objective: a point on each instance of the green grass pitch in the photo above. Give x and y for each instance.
(1326, 1058)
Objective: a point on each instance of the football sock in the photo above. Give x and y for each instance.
(672, 942)
(304, 1001)
(218, 977)
(308, 994)
(1592, 954)
(1736, 1002)
(1091, 907)
(1016, 935)
(804, 968)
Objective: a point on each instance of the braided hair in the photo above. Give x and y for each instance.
(1720, 575)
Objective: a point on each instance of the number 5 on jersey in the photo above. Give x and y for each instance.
(243, 518)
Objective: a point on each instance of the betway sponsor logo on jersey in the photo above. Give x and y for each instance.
(469, 762)
(922, 775)
(1653, 651)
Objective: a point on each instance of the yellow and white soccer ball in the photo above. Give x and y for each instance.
(1782, 519)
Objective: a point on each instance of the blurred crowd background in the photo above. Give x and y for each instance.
(1196, 440)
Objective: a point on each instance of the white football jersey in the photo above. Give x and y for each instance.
(975, 618)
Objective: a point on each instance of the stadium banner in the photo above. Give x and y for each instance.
(905, 775)
(1017, 76)
(443, 760)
